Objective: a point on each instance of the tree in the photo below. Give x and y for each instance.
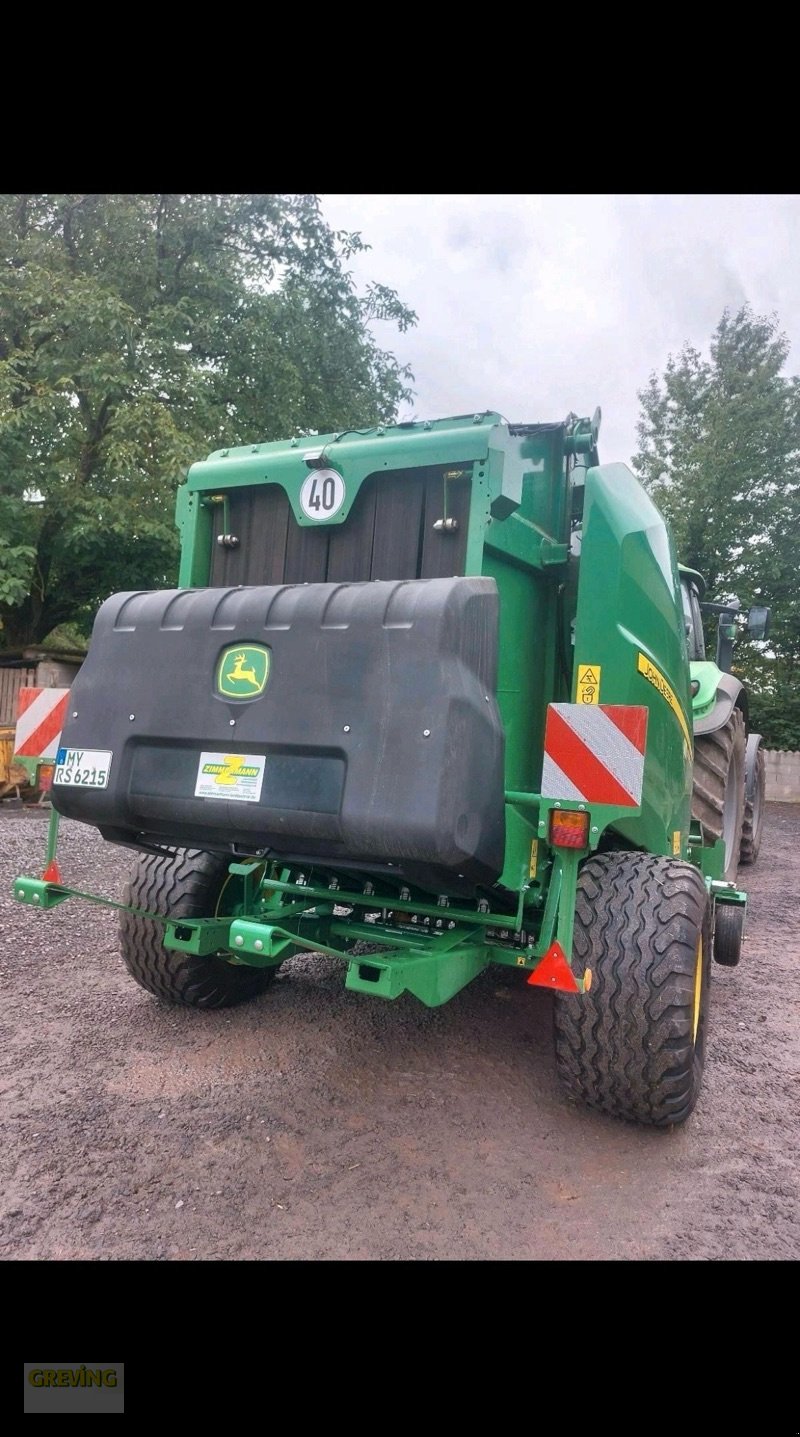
(138, 332)
(720, 454)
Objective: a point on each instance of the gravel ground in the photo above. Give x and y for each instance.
(315, 1123)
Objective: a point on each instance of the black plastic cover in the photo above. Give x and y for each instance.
(379, 726)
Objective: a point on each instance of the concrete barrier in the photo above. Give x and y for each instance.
(783, 776)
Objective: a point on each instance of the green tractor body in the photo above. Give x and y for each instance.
(423, 701)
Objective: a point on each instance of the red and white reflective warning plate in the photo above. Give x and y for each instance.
(594, 753)
(40, 719)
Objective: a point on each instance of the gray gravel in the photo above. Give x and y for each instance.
(315, 1123)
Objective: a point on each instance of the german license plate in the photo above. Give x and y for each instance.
(82, 767)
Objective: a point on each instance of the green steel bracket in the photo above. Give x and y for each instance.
(521, 539)
(38, 893)
(506, 473)
(709, 859)
(551, 909)
(194, 520)
(568, 859)
(52, 837)
(432, 977)
(264, 943)
(30, 765)
(44, 894)
(245, 871)
(552, 553)
(197, 935)
(450, 958)
(726, 893)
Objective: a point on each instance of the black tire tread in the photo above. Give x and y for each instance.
(184, 883)
(713, 754)
(751, 839)
(728, 933)
(626, 1046)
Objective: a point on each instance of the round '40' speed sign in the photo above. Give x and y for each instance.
(322, 494)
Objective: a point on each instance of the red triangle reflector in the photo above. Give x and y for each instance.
(554, 972)
(52, 873)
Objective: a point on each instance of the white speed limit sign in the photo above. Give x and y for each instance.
(322, 494)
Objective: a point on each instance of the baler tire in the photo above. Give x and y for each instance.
(753, 823)
(634, 1044)
(718, 794)
(185, 883)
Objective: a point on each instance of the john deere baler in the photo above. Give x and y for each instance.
(421, 701)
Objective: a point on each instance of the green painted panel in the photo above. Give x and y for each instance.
(630, 626)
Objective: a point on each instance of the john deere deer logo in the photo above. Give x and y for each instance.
(242, 671)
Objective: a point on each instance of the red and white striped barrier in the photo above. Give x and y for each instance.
(40, 719)
(594, 753)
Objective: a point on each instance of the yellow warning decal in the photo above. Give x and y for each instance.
(676, 843)
(588, 684)
(534, 857)
(655, 677)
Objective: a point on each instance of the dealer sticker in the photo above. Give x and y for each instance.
(237, 776)
(82, 767)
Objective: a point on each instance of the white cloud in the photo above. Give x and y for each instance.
(538, 304)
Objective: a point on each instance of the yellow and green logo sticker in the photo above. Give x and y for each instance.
(243, 671)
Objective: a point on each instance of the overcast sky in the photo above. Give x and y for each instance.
(537, 305)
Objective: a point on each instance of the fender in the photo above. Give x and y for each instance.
(718, 695)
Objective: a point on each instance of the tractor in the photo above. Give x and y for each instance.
(428, 697)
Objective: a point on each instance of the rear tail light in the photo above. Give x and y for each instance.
(568, 828)
(45, 776)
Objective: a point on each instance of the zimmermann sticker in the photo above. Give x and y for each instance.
(237, 776)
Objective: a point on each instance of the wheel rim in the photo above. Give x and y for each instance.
(698, 989)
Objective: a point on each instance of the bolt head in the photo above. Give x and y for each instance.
(239, 941)
(346, 728)
(232, 723)
(258, 944)
(131, 717)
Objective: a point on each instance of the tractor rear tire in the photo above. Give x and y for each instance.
(634, 1044)
(186, 883)
(718, 796)
(754, 811)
